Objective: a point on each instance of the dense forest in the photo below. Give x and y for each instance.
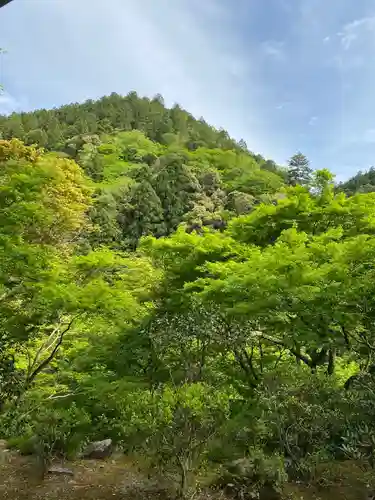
(205, 309)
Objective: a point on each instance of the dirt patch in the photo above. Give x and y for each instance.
(92, 480)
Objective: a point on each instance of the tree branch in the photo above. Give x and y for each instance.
(305, 359)
(46, 362)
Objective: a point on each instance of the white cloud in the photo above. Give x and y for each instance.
(283, 105)
(8, 104)
(352, 31)
(274, 49)
(313, 120)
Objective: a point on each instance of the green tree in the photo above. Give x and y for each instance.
(309, 212)
(141, 214)
(43, 201)
(176, 187)
(38, 137)
(299, 171)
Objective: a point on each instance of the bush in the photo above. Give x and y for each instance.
(185, 420)
(247, 477)
(46, 430)
(307, 419)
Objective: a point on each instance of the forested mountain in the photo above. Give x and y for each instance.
(209, 312)
(53, 128)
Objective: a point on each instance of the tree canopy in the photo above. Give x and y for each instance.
(160, 285)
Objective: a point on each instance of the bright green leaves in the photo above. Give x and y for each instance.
(305, 292)
(238, 171)
(42, 199)
(164, 186)
(46, 291)
(313, 214)
(182, 254)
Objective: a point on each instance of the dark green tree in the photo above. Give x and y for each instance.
(141, 214)
(176, 187)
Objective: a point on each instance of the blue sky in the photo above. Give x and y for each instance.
(285, 75)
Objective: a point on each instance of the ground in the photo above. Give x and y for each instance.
(119, 479)
(92, 480)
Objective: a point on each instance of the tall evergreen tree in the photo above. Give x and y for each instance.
(141, 214)
(299, 170)
(177, 187)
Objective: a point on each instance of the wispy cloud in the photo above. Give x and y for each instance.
(274, 49)
(283, 105)
(354, 30)
(8, 103)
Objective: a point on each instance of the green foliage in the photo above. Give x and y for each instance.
(240, 203)
(258, 474)
(46, 429)
(162, 286)
(192, 414)
(313, 214)
(142, 214)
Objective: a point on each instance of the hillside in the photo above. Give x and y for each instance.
(150, 188)
(205, 310)
(362, 182)
(54, 128)
(170, 169)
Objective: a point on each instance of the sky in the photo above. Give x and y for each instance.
(285, 75)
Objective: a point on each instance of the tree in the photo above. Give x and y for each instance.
(277, 290)
(176, 187)
(43, 200)
(4, 2)
(240, 203)
(362, 182)
(141, 214)
(179, 298)
(299, 170)
(313, 213)
(91, 161)
(38, 137)
(194, 414)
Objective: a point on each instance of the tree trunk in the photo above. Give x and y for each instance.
(331, 361)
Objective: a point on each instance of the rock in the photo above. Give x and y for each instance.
(60, 470)
(99, 449)
(242, 467)
(245, 478)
